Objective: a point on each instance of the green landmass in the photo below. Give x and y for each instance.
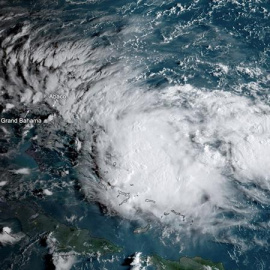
(68, 238)
(185, 263)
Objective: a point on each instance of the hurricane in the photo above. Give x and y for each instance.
(168, 107)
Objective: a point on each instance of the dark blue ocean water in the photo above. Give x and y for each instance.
(223, 45)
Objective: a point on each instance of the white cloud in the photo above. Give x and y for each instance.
(63, 261)
(7, 237)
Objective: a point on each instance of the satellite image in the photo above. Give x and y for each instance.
(135, 135)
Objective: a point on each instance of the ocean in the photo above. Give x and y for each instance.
(147, 131)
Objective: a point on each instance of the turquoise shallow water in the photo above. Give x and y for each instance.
(67, 201)
(211, 45)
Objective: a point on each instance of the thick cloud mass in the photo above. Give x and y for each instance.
(181, 155)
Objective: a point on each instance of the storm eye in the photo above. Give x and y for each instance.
(205, 198)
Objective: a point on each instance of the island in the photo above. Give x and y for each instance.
(185, 263)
